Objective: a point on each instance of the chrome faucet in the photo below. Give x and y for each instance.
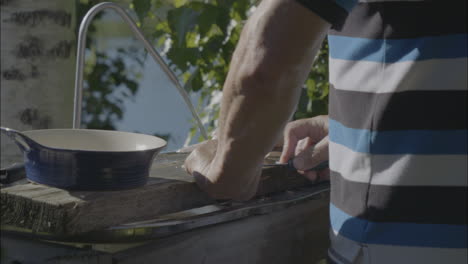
(139, 35)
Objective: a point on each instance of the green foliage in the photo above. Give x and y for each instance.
(141, 8)
(197, 39)
(107, 85)
(108, 81)
(202, 37)
(314, 99)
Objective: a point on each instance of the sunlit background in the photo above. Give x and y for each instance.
(156, 107)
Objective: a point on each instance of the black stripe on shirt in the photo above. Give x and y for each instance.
(394, 20)
(413, 204)
(409, 110)
(327, 10)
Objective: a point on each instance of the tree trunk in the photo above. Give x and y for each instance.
(37, 67)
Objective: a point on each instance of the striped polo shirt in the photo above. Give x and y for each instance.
(398, 130)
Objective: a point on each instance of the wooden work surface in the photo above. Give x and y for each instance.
(170, 189)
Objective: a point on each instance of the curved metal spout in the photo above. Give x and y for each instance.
(139, 35)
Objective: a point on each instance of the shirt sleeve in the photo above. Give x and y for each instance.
(332, 11)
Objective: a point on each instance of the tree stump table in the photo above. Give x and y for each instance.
(169, 219)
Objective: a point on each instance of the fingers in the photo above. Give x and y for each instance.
(312, 156)
(293, 132)
(288, 149)
(317, 176)
(194, 162)
(189, 163)
(201, 156)
(303, 144)
(315, 128)
(310, 175)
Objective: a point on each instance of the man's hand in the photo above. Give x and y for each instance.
(201, 157)
(201, 164)
(272, 59)
(306, 141)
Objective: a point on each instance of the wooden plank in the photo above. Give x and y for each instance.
(298, 234)
(169, 189)
(21, 250)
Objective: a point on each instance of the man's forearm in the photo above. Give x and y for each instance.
(271, 62)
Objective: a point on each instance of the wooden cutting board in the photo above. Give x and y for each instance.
(170, 189)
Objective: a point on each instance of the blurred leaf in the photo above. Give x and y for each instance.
(192, 39)
(197, 81)
(183, 56)
(207, 18)
(310, 84)
(181, 20)
(142, 7)
(303, 101)
(132, 86)
(223, 19)
(193, 79)
(178, 3)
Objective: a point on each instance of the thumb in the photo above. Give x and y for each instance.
(312, 156)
